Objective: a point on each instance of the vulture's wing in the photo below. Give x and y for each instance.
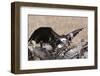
(44, 34)
(72, 34)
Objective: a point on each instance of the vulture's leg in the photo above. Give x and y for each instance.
(41, 44)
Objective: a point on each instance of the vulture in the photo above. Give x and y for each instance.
(48, 35)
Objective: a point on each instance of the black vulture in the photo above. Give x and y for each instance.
(47, 35)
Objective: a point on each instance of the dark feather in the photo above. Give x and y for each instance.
(44, 34)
